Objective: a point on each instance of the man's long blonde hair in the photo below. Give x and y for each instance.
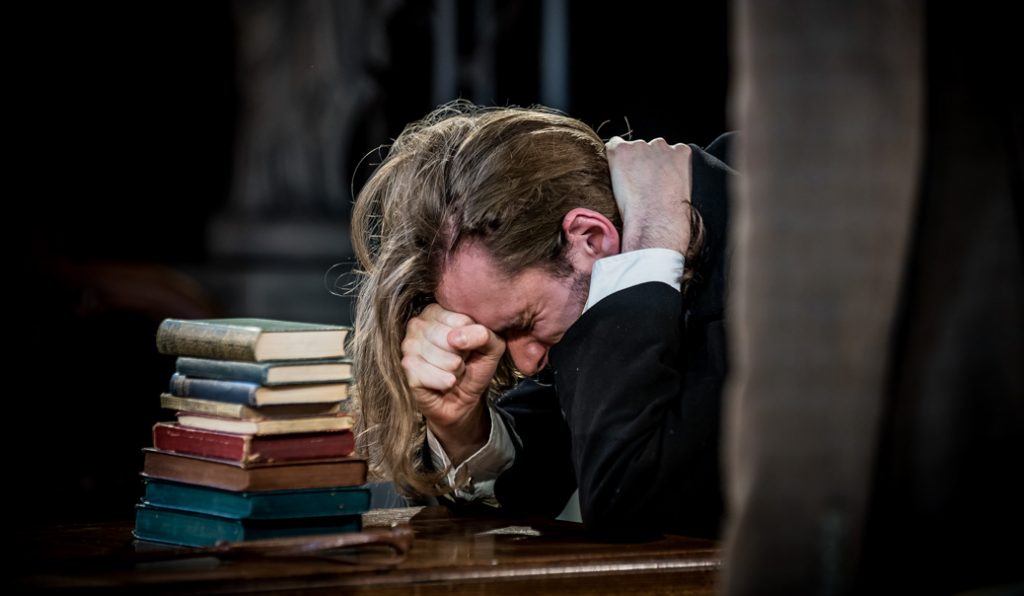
(500, 177)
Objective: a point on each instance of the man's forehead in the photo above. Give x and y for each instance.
(472, 281)
(468, 278)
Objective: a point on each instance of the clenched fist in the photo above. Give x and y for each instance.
(651, 184)
(449, 362)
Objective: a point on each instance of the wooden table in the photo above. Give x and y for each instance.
(450, 554)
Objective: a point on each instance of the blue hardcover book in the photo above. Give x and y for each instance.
(196, 529)
(278, 372)
(254, 394)
(273, 504)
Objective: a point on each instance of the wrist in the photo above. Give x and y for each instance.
(669, 230)
(463, 438)
(667, 239)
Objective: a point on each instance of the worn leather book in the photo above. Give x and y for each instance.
(169, 436)
(250, 340)
(253, 476)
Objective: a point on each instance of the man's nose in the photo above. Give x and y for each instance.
(530, 355)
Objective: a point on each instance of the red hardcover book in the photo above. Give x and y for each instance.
(246, 476)
(170, 436)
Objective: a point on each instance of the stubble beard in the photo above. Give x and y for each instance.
(580, 290)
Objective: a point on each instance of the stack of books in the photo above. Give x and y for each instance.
(263, 444)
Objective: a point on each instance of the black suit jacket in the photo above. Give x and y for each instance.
(638, 380)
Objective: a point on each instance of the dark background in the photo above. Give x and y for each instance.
(126, 129)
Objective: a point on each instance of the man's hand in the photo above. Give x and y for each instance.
(449, 361)
(651, 183)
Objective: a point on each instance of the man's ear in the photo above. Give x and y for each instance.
(591, 236)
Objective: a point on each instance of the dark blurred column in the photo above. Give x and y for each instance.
(306, 83)
(481, 67)
(554, 54)
(875, 416)
(828, 98)
(445, 29)
(946, 512)
(465, 70)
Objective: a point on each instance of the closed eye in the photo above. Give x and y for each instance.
(517, 330)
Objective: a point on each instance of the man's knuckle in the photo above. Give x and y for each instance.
(437, 335)
(451, 361)
(457, 320)
(408, 346)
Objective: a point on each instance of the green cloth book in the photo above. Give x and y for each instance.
(250, 340)
(244, 412)
(276, 504)
(184, 528)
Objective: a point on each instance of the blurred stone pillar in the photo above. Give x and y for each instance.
(305, 81)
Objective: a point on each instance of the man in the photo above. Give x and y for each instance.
(495, 235)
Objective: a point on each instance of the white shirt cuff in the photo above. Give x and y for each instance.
(473, 479)
(628, 269)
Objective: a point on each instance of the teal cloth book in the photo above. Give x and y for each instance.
(275, 504)
(278, 372)
(196, 529)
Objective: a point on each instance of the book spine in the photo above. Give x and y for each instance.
(205, 406)
(197, 529)
(171, 437)
(249, 372)
(228, 476)
(235, 392)
(197, 499)
(179, 527)
(180, 468)
(186, 338)
(284, 504)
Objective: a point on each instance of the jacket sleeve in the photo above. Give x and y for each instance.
(541, 479)
(639, 384)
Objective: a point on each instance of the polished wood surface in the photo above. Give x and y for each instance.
(450, 554)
